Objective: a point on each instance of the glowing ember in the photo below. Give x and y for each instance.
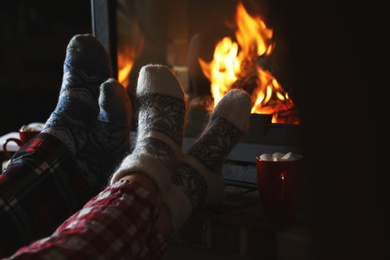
(234, 63)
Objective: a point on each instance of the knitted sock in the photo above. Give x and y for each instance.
(198, 179)
(91, 119)
(162, 112)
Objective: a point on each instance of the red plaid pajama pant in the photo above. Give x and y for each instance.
(42, 187)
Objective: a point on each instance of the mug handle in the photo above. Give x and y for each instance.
(5, 146)
(282, 179)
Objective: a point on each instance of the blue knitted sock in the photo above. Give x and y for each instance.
(93, 113)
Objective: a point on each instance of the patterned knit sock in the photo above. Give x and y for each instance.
(162, 112)
(198, 179)
(92, 119)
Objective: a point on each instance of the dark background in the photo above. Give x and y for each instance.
(34, 36)
(340, 68)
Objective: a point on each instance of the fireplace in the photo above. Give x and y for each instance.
(185, 36)
(338, 72)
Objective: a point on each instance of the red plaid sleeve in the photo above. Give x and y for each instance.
(39, 189)
(116, 224)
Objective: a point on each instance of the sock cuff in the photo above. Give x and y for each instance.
(145, 164)
(179, 207)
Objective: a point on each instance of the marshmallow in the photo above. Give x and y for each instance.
(277, 156)
(266, 157)
(291, 157)
(280, 157)
(32, 127)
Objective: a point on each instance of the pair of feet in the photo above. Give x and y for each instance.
(93, 118)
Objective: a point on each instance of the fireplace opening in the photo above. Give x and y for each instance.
(212, 47)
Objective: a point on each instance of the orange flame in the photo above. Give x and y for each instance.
(130, 46)
(125, 64)
(254, 40)
(223, 68)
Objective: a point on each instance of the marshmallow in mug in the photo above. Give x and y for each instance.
(280, 157)
(31, 128)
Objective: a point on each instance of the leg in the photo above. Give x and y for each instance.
(39, 189)
(122, 220)
(118, 213)
(118, 223)
(93, 114)
(57, 172)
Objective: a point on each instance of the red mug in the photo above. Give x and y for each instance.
(279, 185)
(24, 137)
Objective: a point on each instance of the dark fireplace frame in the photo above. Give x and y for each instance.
(103, 14)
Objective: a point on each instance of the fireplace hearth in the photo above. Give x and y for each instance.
(262, 137)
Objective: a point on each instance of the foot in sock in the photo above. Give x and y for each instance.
(198, 180)
(162, 112)
(93, 113)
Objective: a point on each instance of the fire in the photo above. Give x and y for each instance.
(130, 46)
(252, 35)
(234, 61)
(223, 68)
(125, 64)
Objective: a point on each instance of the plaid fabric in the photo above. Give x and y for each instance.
(116, 224)
(40, 188)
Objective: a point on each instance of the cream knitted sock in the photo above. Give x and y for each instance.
(198, 181)
(162, 112)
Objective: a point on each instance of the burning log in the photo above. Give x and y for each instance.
(241, 62)
(202, 46)
(248, 79)
(287, 116)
